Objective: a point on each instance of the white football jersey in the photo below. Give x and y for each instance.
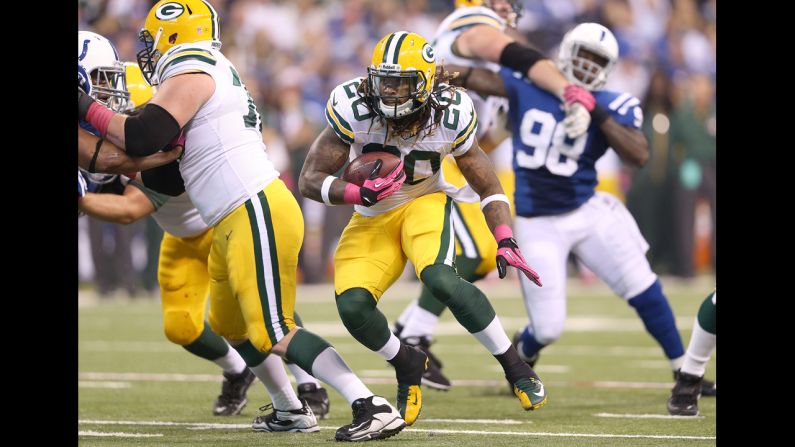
(225, 162)
(449, 30)
(175, 215)
(352, 121)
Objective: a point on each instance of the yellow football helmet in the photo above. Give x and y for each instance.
(170, 23)
(401, 74)
(140, 90)
(468, 3)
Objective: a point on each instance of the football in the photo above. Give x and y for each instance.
(370, 165)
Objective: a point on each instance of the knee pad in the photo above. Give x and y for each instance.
(441, 280)
(180, 328)
(357, 309)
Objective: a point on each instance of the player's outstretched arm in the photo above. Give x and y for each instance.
(111, 159)
(123, 209)
(479, 173)
(484, 82)
(160, 120)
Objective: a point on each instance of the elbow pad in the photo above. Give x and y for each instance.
(164, 179)
(149, 131)
(519, 57)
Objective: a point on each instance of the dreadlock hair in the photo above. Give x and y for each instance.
(410, 125)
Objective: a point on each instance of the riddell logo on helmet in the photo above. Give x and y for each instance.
(169, 11)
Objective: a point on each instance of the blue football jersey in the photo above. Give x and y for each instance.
(555, 174)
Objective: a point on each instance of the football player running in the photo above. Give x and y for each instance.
(558, 211)
(184, 280)
(405, 108)
(476, 35)
(258, 226)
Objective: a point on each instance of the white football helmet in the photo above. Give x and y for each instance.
(587, 55)
(100, 60)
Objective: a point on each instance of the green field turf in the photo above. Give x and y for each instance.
(606, 378)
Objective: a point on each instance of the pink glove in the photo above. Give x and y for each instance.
(575, 94)
(375, 189)
(508, 254)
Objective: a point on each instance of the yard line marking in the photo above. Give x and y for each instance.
(98, 384)
(412, 430)
(645, 416)
(165, 377)
(118, 434)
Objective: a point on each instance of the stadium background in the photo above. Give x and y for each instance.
(291, 54)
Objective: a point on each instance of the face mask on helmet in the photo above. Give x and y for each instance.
(587, 55)
(170, 23)
(98, 61)
(397, 93)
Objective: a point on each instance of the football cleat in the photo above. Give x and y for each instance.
(316, 397)
(530, 392)
(373, 418)
(409, 377)
(708, 387)
(233, 393)
(300, 420)
(684, 395)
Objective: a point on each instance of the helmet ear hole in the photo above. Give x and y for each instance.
(172, 38)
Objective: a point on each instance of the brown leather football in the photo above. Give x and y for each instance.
(370, 165)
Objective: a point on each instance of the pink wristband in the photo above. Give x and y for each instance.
(99, 116)
(502, 232)
(352, 194)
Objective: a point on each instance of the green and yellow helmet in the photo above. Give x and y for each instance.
(401, 74)
(174, 22)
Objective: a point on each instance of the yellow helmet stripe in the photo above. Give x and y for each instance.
(475, 19)
(464, 135)
(214, 20)
(393, 47)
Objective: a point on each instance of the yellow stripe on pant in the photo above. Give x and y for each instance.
(184, 285)
(252, 266)
(372, 251)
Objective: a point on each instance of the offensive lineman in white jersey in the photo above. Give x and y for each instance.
(257, 222)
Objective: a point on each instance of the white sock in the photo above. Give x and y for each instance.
(231, 362)
(331, 368)
(677, 362)
(391, 348)
(403, 319)
(699, 351)
(493, 337)
(302, 376)
(421, 323)
(271, 373)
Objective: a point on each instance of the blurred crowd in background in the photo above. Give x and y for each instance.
(292, 53)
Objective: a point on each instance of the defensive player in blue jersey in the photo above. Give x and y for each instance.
(557, 210)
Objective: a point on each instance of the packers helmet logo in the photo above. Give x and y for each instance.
(169, 11)
(427, 53)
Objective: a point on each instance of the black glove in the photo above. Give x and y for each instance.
(83, 103)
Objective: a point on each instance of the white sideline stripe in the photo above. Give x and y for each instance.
(410, 430)
(155, 377)
(99, 384)
(646, 416)
(118, 434)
